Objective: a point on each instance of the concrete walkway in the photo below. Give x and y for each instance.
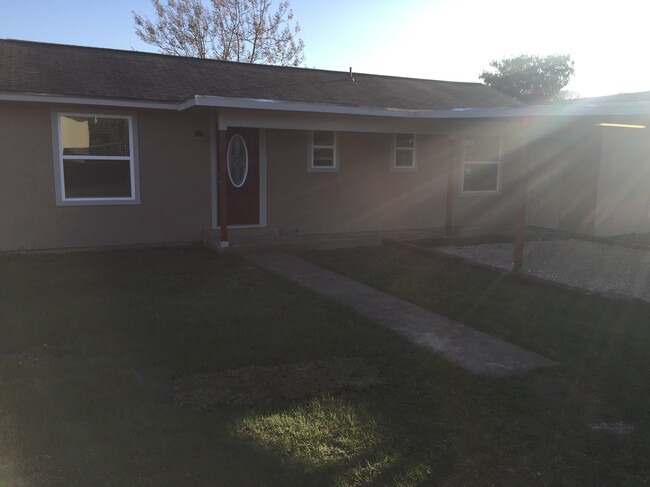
(464, 346)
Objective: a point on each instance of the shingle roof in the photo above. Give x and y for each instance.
(54, 69)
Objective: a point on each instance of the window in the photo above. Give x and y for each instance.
(322, 153)
(481, 164)
(237, 163)
(404, 157)
(95, 159)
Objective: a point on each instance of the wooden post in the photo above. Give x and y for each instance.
(451, 185)
(520, 236)
(222, 157)
(523, 164)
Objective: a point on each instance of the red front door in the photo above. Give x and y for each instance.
(243, 174)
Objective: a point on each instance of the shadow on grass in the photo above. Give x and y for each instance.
(127, 324)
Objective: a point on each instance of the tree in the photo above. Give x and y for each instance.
(231, 30)
(531, 79)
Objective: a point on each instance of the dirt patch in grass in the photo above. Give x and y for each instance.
(261, 385)
(617, 428)
(33, 356)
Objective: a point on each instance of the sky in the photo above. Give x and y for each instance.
(437, 39)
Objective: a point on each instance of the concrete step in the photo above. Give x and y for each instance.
(241, 232)
(319, 241)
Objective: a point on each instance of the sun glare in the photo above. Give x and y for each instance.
(621, 125)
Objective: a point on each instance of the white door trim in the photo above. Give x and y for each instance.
(213, 172)
(263, 179)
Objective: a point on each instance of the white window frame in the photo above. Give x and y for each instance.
(61, 199)
(412, 150)
(491, 192)
(243, 181)
(334, 147)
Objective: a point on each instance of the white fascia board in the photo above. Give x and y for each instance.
(261, 104)
(189, 103)
(575, 108)
(488, 112)
(578, 108)
(571, 109)
(289, 106)
(76, 100)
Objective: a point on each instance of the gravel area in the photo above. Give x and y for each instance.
(591, 266)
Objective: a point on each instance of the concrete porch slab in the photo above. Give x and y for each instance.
(259, 241)
(471, 349)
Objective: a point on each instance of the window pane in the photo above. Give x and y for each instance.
(404, 140)
(323, 138)
(323, 157)
(481, 177)
(482, 148)
(404, 158)
(97, 178)
(237, 161)
(94, 136)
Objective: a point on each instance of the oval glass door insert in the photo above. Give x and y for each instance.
(237, 161)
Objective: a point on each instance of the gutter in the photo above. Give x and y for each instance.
(570, 109)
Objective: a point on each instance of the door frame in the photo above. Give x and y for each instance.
(214, 187)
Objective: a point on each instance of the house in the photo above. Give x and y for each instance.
(101, 147)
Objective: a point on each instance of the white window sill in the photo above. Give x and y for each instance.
(98, 202)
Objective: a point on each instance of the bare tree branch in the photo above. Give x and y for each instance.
(231, 30)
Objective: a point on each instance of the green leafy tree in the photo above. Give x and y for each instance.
(231, 30)
(531, 79)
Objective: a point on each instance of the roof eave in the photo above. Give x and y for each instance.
(574, 109)
(82, 100)
(290, 106)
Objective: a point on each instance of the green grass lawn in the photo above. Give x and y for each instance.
(92, 343)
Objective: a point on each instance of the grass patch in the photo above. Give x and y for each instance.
(94, 406)
(367, 471)
(321, 433)
(559, 324)
(122, 327)
(603, 347)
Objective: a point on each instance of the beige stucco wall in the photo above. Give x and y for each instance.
(365, 194)
(547, 171)
(488, 213)
(565, 158)
(174, 184)
(624, 182)
(580, 159)
(589, 179)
